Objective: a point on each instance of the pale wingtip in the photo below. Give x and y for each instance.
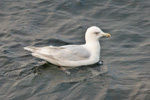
(28, 48)
(25, 48)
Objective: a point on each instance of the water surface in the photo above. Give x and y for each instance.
(50, 22)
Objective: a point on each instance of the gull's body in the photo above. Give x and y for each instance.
(73, 55)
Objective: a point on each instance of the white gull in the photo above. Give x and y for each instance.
(73, 55)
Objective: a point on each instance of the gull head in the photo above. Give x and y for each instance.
(94, 33)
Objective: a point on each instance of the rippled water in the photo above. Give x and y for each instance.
(125, 74)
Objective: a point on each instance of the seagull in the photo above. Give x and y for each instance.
(72, 56)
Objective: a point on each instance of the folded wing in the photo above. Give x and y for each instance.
(66, 53)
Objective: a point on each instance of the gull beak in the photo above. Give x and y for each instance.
(107, 35)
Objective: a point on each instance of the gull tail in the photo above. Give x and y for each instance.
(32, 49)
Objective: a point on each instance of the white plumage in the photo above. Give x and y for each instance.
(73, 55)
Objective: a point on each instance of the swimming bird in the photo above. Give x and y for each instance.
(72, 56)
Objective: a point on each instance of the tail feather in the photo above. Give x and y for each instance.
(32, 49)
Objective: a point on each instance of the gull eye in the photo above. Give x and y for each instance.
(96, 33)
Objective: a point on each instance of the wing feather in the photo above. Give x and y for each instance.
(69, 52)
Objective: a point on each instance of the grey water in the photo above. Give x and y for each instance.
(125, 74)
